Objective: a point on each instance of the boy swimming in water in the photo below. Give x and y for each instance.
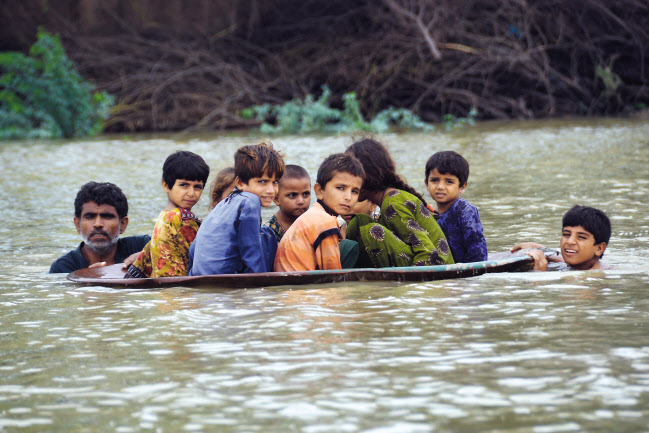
(584, 238)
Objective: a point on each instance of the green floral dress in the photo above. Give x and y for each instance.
(406, 234)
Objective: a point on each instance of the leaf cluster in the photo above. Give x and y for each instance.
(315, 115)
(43, 96)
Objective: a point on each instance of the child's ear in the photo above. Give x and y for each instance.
(165, 187)
(599, 249)
(239, 183)
(463, 187)
(318, 191)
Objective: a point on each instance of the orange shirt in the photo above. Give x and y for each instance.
(310, 243)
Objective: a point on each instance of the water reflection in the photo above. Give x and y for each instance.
(562, 351)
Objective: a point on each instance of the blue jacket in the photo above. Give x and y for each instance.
(231, 239)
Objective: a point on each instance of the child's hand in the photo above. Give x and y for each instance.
(540, 261)
(524, 246)
(130, 260)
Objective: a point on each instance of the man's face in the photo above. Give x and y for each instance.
(100, 226)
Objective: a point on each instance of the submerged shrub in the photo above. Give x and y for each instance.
(43, 96)
(315, 115)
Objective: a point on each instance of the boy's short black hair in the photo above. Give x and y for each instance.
(257, 160)
(339, 163)
(448, 162)
(295, 172)
(101, 193)
(184, 165)
(593, 220)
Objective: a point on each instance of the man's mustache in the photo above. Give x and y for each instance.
(98, 232)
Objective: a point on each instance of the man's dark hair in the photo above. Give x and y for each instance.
(448, 162)
(593, 220)
(184, 165)
(339, 163)
(101, 193)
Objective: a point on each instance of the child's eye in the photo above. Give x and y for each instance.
(307, 194)
(356, 191)
(292, 195)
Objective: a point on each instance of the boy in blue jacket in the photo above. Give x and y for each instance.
(231, 239)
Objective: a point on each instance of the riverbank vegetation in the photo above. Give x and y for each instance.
(175, 65)
(43, 96)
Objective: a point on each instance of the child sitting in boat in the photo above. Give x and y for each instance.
(406, 233)
(312, 241)
(166, 255)
(584, 238)
(293, 199)
(222, 186)
(447, 173)
(231, 239)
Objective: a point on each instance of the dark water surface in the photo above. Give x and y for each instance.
(525, 352)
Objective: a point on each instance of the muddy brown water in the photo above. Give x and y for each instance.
(532, 352)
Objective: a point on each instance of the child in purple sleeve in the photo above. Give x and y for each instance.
(446, 178)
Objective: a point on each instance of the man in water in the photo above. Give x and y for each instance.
(100, 216)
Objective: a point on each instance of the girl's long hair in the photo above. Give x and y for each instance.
(380, 170)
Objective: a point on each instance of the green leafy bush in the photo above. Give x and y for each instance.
(315, 115)
(43, 96)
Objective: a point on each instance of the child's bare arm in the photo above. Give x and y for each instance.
(524, 246)
(540, 261)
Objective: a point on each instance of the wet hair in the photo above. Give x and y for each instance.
(593, 220)
(295, 172)
(339, 163)
(101, 193)
(380, 170)
(257, 160)
(224, 179)
(448, 162)
(184, 165)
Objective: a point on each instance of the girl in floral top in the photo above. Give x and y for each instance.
(167, 254)
(406, 233)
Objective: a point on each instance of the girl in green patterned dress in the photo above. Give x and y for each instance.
(406, 233)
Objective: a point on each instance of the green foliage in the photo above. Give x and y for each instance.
(43, 96)
(451, 122)
(315, 115)
(610, 79)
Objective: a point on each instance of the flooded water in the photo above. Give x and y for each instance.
(523, 352)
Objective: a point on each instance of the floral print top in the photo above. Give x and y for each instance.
(167, 253)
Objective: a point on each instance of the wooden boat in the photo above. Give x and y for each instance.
(112, 276)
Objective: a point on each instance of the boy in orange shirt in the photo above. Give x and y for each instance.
(312, 241)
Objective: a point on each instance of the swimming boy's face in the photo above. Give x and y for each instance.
(578, 247)
(265, 187)
(445, 188)
(341, 192)
(294, 196)
(184, 193)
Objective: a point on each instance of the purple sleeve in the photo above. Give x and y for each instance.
(474, 240)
